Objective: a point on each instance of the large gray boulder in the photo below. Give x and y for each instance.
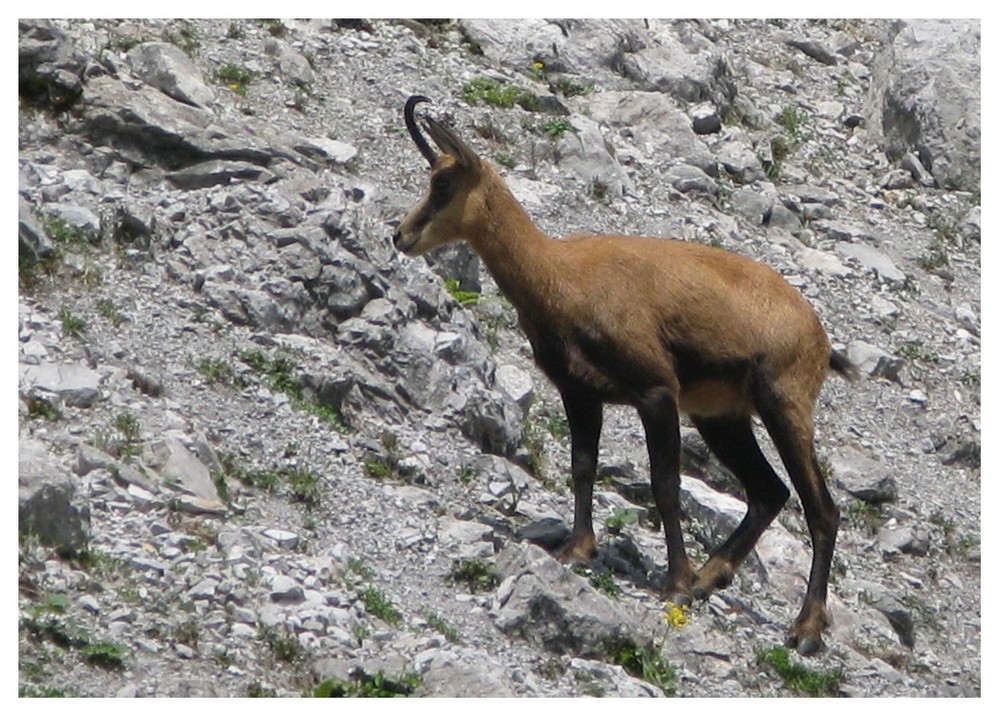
(659, 128)
(926, 97)
(462, 672)
(45, 505)
(680, 61)
(859, 472)
(585, 154)
(74, 383)
(172, 459)
(50, 69)
(549, 605)
(33, 243)
(144, 126)
(166, 67)
(564, 45)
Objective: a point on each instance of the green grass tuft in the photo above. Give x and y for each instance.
(370, 686)
(438, 623)
(556, 128)
(799, 678)
(476, 574)
(72, 325)
(380, 606)
(498, 94)
(279, 372)
(41, 408)
(284, 645)
(109, 655)
(601, 580)
(236, 78)
(646, 663)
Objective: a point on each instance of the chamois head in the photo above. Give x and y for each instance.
(446, 213)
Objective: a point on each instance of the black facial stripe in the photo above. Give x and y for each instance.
(442, 190)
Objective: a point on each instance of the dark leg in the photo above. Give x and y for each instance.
(663, 442)
(585, 418)
(732, 441)
(791, 428)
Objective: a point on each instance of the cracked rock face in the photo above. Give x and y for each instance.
(262, 453)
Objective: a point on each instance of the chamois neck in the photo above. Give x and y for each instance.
(516, 252)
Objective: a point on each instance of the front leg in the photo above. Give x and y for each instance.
(585, 417)
(661, 421)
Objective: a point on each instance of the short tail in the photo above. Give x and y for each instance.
(842, 365)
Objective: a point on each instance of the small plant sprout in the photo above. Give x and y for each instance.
(465, 298)
(380, 606)
(476, 574)
(438, 623)
(72, 325)
(362, 685)
(643, 661)
(619, 519)
(235, 78)
(601, 580)
(556, 128)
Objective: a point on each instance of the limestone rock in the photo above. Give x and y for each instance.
(874, 361)
(165, 66)
(585, 153)
(657, 126)
(50, 67)
(47, 506)
(462, 672)
(925, 97)
(861, 475)
(75, 384)
(517, 384)
(872, 258)
(545, 603)
(171, 458)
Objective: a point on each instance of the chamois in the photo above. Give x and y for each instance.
(667, 327)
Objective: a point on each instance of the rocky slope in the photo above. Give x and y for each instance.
(261, 453)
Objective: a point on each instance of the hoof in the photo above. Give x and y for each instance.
(805, 646)
(680, 599)
(579, 551)
(716, 574)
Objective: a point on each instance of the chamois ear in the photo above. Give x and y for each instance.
(450, 144)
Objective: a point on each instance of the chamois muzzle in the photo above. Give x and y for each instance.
(411, 125)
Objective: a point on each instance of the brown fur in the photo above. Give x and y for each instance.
(668, 327)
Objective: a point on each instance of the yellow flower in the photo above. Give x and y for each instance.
(539, 65)
(676, 615)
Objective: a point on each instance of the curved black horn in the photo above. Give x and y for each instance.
(411, 125)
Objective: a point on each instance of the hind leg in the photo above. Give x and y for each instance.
(790, 426)
(732, 440)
